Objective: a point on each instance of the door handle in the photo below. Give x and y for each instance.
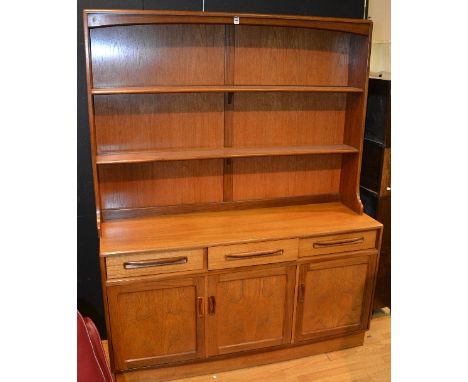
(211, 305)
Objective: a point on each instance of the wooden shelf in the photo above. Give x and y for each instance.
(235, 152)
(225, 88)
(200, 229)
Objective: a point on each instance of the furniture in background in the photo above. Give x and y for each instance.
(92, 363)
(375, 178)
(226, 154)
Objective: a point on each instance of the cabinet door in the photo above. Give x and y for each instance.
(334, 296)
(249, 309)
(156, 322)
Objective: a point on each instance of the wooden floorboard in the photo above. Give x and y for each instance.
(368, 363)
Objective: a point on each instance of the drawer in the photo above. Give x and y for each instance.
(151, 263)
(345, 242)
(242, 255)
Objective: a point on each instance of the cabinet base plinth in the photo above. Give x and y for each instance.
(238, 361)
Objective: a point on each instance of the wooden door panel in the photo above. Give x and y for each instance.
(334, 297)
(252, 309)
(154, 323)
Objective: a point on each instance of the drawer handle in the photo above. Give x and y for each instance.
(332, 243)
(253, 255)
(155, 263)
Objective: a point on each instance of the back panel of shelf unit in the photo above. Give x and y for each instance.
(288, 119)
(290, 56)
(161, 184)
(146, 55)
(145, 122)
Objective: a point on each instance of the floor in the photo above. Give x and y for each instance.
(368, 363)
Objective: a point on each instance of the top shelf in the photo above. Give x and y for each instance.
(225, 89)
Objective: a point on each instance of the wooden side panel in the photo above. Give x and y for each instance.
(143, 55)
(273, 177)
(158, 121)
(284, 119)
(253, 309)
(161, 183)
(334, 297)
(354, 123)
(290, 56)
(154, 323)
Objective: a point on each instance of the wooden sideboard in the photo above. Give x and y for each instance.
(226, 157)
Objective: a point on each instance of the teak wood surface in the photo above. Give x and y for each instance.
(221, 153)
(229, 227)
(156, 94)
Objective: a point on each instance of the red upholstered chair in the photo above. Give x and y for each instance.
(92, 363)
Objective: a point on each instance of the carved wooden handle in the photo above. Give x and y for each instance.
(155, 263)
(253, 255)
(211, 305)
(332, 243)
(200, 306)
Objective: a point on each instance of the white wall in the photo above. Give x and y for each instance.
(379, 13)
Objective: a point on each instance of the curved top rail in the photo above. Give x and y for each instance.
(104, 18)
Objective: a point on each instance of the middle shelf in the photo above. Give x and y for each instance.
(225, 152)
(225, 89)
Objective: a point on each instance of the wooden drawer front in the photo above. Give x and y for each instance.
(153, 263)
(241, 255)
(337, 243)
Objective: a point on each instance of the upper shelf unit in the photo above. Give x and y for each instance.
(191, 111)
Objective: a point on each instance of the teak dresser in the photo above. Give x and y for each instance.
(226, 153)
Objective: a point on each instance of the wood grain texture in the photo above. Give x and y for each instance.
(203, 229)
(142, 55)
(115, 265)
(148, 122)
(290, 56)
(100, 18)
(161, 183)
(217, 206)
(157, 322)
(275, 177)
(92, 135)
(222, 363)
(264, 252)
(224, 88)
(275, 107)
(355, 121)
(256, 306)
(347, 242)
(370, 362)
(288, 119)
(334, 299)
(234, 152)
